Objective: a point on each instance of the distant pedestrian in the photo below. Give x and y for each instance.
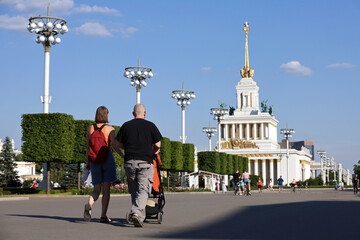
(223, 186)
(293, 185)
(247, 180)
(280, 183)
(236, 178)
(242, 184)
(271, 185)
(356, 183)
(299, 185)
(259, 183)
(217, 185)
(336, 186)
(341, 185)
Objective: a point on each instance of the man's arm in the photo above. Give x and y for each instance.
(115, 143)
(156, 147)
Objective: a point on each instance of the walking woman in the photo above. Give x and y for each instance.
(101, 162)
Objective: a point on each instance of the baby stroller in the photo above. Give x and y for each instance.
(154, 210)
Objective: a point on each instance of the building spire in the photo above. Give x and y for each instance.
(247, 72)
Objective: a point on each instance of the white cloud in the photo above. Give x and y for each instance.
(29, 5)
(127, 32)
(95, 29)
(96, 9)
(17, 23)
(206, 69)
(294, 67)
(342, 65)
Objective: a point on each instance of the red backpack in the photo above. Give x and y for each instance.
(98, 147)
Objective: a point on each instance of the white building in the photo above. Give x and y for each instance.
(253, 134)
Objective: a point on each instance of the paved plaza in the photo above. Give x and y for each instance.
(312, 214)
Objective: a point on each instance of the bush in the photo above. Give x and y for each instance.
(315, 181)
(27, 183)
(48, 137)
(189, 157)
(177, 162)
(20, 191)
(209, 161)
(224, 164)
(254, 179)
(165, 153)
(230, 164)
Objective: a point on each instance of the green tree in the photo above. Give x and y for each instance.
(209, 161)
(8, 174)
(69, 178)
(223, 164)
(357, 168)
(231, 164)
(189, 157)
(177, 162)
(48, 138)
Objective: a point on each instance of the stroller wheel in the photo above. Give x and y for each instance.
(159, 217)
(128, 218)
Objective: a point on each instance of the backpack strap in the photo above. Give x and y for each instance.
(96, 128)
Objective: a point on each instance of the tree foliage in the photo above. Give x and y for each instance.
(177, 162)
(231, 164)
(48, 137)
(165, 153)
(81, 128)
(189, 157)
(224, 164)
(8, 174)
(357, 168)
(209, 161)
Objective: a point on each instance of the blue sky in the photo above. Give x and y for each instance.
(305, 55)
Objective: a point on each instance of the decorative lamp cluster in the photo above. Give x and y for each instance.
(219, 113)
(287, 132)
(209, 131)
(183, 97)
(138, 75)
(47, 28)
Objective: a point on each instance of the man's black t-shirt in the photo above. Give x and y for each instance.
(236, 177)
(138, 136)
(355, 181)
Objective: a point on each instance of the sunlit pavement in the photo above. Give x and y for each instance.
(314, 214)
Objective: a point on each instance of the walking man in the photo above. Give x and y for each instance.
(280, 183)
(356, 183)
(140, 139)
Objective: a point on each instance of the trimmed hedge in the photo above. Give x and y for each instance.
(189, 157)
(231, 164)
(177, 162)
(119, 161)
(48, 137)
(224, 164)
(209, 161)
(165, 153)
(81, 128)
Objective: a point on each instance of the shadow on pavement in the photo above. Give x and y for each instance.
(303, 220)
(115, 221)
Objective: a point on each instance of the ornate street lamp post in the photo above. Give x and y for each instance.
(209, 131)
(47, 30)
(138, 76)
(183, 99)
(322, 154)
(287, 134)
(219, 114)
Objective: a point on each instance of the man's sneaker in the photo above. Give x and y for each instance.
(136, 220)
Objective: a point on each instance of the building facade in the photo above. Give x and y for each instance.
(252, 133)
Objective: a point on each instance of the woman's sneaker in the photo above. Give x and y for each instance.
(87, 212)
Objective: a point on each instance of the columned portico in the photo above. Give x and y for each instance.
(278, 168)
(247, 131)
(262, 131)
(272, 170)
(264, 170)
(256, 167)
